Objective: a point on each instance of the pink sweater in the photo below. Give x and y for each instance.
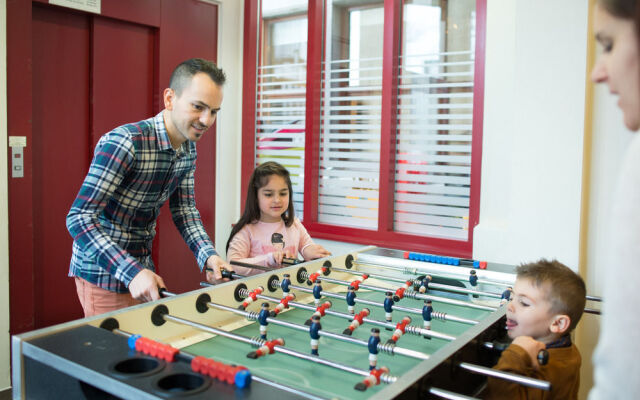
(253, 244)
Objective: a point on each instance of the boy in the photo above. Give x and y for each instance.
(547, 303)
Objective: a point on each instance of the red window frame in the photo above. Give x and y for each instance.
(384, 236)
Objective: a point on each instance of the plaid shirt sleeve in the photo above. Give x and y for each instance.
(187, 219)
(112, 160)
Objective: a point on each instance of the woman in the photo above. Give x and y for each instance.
(617, 368)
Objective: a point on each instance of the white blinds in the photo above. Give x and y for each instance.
(280, 122)
(433, 147)
(350, 143)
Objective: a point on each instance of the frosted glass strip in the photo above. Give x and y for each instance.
(433, 210)
(350, 164)
(409, 166)
(349, 174)
(347, 184)
(282, 152)
(363, 194)
(432, 199)
(290, 136)
(420, 178)
(278, 100)
(377, 88)
(345, 201)
(410, 75)
(342, 220)
(432, 188)
(279, 118)
(372, 99)
(265, 67)
(287, 92)
(450, 222)
(359, 147)
(435, 106)
(440, 127)
(352, 211)
(345, 157)
(432, 231)
(352, 117)
(434, 96)
(353, 126)
(407, 136)
(280, 83)
(414, 147)
(450, 85)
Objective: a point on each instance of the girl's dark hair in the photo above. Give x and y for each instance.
(260, 178)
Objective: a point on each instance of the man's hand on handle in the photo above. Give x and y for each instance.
(213, 268)
(144, 286)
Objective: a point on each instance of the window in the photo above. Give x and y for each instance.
(379, 118)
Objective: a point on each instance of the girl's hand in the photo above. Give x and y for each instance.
(280, 254)
(315, 251)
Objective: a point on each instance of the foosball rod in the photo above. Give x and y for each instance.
(409, 329)
(448, 288)
(385, 377)
(421, 271)
(414, 295)
(188, 357)
(436, 315)
(389, 349)
(536, 383)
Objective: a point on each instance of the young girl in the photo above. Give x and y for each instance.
(268, 231)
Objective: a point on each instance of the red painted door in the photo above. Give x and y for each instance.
(72, 77)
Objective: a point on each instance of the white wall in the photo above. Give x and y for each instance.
(229, 135)
(533, 131)
(4, 207)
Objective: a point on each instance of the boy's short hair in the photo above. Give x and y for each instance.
(566, 290)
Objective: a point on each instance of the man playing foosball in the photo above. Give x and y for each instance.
(547, 303)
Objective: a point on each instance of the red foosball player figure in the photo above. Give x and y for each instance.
(253, 295)
(320, 311)
(266, 348)
(372, 379)
(357, 321)
(284, 303)
(400, 327)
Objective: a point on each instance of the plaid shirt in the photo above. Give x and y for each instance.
(113, 218)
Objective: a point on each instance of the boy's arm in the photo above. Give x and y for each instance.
(187, 219)
(515, 359)
(112, 160)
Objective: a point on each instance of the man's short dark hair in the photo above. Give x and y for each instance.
(565, 289)
(183, 73)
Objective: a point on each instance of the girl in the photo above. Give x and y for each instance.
(616, 363)
(268, 231)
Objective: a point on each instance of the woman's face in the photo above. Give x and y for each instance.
(618, 65)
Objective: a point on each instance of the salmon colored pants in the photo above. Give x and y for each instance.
(96, 300)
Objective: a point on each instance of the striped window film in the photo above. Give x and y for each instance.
(434, 123)
(348, 176)
(280, 110)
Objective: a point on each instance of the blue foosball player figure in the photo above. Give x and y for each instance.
(315, 334)
(473, 277)
(374, 340)
(351, 299)
(506, 295)
(388, 308)
(427, 309)
(317, 288)
(262, 320)
(284, 284)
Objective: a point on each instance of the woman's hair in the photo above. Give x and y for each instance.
(260, 178)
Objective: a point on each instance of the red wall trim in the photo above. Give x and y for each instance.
(19, 87)
(249, 81)
(478, 117)
(390, 53)
(315, 50)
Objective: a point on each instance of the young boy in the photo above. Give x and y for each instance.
(547, 303)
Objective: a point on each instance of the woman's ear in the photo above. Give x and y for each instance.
(560, 324)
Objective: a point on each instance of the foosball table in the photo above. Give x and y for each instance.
(374, 323)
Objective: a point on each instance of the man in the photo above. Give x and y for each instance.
(135, 169)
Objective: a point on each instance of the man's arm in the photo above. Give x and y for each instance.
(112, 160)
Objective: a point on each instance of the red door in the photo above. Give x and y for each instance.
(72, 76)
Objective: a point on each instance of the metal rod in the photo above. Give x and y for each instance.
(425, 332)
(522, 380)
(188, 357)
(414, 295)
(382, 347)
(253, 266)
(594, 298)
(449, 288)
(386, 378)
(417, 331)
(592, 311)
(445, 394)
(419, 271)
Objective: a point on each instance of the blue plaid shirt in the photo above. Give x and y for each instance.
(113, 218)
